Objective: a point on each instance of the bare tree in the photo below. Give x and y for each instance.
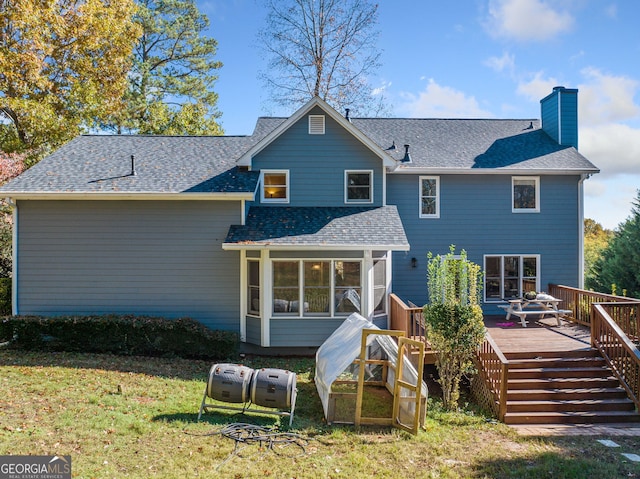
(324, 48)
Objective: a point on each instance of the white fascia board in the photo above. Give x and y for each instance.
(490, 171)
(245, 160)
(51, 195)
(322, 247)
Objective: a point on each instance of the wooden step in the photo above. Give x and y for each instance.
(563, 383)
(539, 373)
(591, 361)
(571, 405)
(579, 353)
(566, 393)
(585, 417)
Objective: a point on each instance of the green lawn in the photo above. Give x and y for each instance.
(136, 417)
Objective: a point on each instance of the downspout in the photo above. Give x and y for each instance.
(581, 230)
(243, 295)
(14, 258)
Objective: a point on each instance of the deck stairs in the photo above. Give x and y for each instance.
(565, 387)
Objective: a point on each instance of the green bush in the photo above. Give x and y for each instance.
(124, 335)
(5, 296)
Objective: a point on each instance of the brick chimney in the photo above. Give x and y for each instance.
(559, 112)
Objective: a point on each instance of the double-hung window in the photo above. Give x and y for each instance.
(525, 192)
(429, 197)
(275, 186)
(510, 276)
(358, 186)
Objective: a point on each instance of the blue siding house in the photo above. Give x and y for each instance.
(282, 234)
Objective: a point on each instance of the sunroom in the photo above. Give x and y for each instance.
(305, 269)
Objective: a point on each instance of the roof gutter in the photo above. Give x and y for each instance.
(101, 196)
(490, 171)
(312, 247)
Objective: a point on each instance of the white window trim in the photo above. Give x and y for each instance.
(437, 213)
(346, 187)
(263, 199)
(521, 268)
(331, 314)
(316, 124)
(537, 187)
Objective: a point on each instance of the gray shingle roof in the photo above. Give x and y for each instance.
(316, 226)
(102, 163)
(175, 164)
(471, 144)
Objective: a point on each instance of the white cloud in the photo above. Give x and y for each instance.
(606, 98)
(609, 201)
(500, 64)
(437, 101)
(602, 98)
(380, 90)
(614, 148)
(526, 20)
(605, 102)
(537, 87)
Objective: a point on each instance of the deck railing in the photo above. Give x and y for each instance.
(490, 388)
(619, 351)
(579, 301)
(406, 318)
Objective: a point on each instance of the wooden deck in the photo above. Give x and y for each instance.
(539, 336)
(547, 373)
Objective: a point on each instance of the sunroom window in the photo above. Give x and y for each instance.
(326, 287)
(380, 286)
(253, 283)
(347, 287)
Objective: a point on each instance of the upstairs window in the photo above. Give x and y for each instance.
(429, 197)
(316, 124)
(525, 194)
(358, 186)
(275, 186)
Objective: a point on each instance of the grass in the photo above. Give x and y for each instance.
(136, 417)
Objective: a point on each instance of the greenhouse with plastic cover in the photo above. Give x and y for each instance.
(369, 376)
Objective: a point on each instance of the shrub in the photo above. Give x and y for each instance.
(124, 335)
(454, 320)
(5, 296)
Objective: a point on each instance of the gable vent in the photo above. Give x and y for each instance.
(316, 124)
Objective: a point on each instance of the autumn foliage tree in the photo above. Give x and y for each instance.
(596, 239)
(11, 165)
(63, 67)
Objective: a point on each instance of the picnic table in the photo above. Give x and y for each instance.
(543, 305)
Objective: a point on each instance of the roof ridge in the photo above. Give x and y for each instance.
(135, 135)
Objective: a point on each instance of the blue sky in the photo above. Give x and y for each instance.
(481, 59)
